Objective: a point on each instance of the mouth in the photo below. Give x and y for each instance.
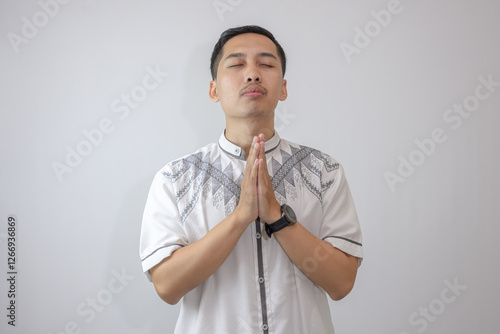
(253, 91)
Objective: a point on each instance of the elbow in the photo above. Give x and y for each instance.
(165, 289)
(170, 300)
(168, 295)
(343, 286)
(340, 292)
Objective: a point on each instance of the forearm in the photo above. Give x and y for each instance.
(191, 265)
(325, 265)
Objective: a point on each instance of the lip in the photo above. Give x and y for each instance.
(253, 94)
(253, 91)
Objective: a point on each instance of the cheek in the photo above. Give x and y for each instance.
(227, 89)
(279, 89)
(277, 80)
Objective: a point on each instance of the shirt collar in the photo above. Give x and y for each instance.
(237, 152)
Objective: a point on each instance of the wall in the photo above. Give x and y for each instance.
(96, 96)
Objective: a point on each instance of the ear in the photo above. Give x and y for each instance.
(284, 93)
(212, 92)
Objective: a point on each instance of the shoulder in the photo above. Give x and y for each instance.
(182, 163)
(307, 153)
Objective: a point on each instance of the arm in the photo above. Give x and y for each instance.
(191, 265)
(325, 265)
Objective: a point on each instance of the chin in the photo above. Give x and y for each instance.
(257, 111)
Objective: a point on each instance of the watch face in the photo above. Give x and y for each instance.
(290, 215)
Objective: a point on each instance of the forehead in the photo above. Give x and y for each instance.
(248, 44)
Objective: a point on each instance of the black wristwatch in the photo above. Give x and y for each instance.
(287, 218)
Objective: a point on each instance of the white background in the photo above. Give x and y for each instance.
(76, 232)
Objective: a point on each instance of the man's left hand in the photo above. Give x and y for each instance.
(269, 207)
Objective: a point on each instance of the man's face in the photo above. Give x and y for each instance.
(249, 79)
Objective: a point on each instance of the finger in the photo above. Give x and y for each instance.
(262, 156)
(263, 191)
(262, 152)
(249, 181)
(259, 147)
(261, 137)
(260, 140)
(269, 208)
(255, 148)
(254, 173)
(261, 174)
(251, 155)
(265, 184)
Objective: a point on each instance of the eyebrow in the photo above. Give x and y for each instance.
(243, 55)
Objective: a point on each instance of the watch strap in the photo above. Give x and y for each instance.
(276, 226)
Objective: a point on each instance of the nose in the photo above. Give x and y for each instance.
(253, 78)
(253, 75)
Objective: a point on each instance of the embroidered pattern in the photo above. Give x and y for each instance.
(195, 176)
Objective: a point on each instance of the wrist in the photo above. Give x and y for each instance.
(287, 218)
(274, 215)
(290, 230)
(240, 219)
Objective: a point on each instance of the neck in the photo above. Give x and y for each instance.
(241, 131)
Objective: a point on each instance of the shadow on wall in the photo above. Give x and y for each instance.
(137, 304)
(205, 116)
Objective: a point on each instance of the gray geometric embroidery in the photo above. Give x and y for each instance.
(328, 164)
(201, 171)
(202, 177)
(306, 162)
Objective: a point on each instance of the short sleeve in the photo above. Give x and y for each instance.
(340, 225)
(162, 232)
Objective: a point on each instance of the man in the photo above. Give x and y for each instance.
(252, 233)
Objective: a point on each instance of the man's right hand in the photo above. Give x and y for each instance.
(191, 265)
(247, 210)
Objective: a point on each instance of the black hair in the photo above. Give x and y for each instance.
(232, 32)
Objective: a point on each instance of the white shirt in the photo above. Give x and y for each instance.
(257, 289)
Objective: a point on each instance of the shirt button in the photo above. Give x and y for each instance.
(265, 327)
(258, 235)
(261, 280)
(237, 150)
